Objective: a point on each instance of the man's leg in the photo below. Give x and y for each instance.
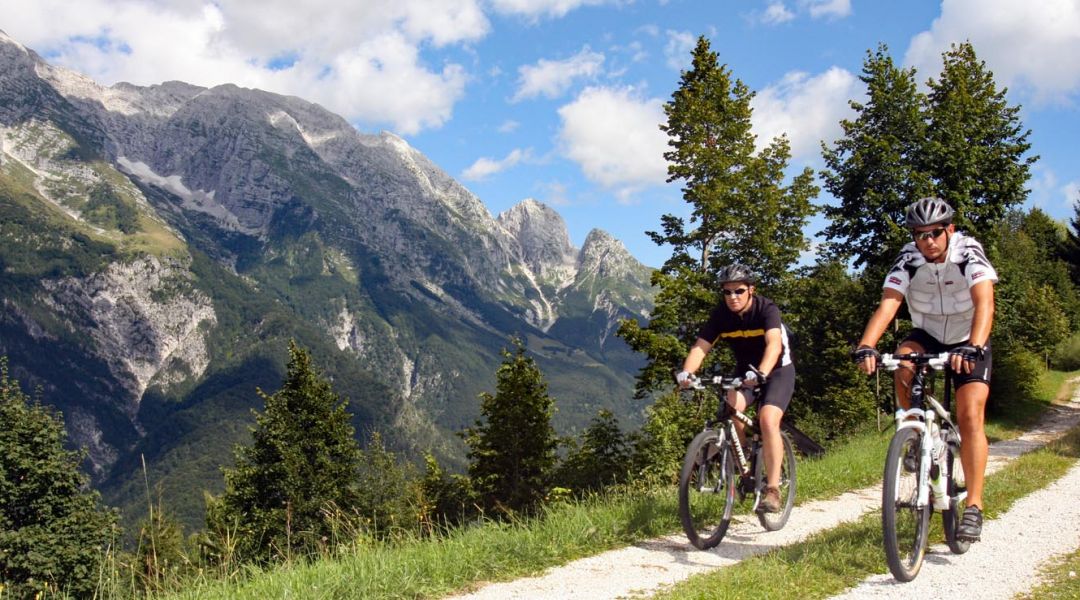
(905, 373)
(772, 442)
(970, 412)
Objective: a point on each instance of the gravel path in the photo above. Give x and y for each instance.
(1012, 547)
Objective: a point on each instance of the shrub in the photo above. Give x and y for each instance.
(1066, 356)
(52, 531)
(1016, 374)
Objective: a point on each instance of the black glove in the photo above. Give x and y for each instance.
(968, 353)
(863, 352)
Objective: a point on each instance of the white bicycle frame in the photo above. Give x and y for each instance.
(926, 422)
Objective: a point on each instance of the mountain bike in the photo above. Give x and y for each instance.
(718, 473)
(923, 472)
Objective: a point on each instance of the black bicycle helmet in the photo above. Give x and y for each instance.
(928, 211)
(736, 272)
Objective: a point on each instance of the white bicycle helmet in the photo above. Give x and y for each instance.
(736, 272)
(928, 211)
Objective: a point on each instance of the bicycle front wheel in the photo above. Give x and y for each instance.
(707, 489)
(777, 520)
(951, 516)
(905, 525)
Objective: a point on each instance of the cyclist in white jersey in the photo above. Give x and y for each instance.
(949, 286)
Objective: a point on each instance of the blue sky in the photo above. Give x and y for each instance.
(560, 100)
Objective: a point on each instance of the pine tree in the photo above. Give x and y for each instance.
(53, 534)
(1070, 250)
(512, 450)
(302, 462)
(976, 143)
(388, 492)
(740, 211)
(161, 555)
(875, 169)
(602, 459)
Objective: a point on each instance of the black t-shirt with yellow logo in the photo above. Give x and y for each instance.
(745, 333)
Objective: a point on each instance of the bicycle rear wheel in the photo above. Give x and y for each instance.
(904, 524)
(707, 489)
(950, 517)
(777, 520)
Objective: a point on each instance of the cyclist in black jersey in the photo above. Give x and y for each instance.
(751, 326)
(949, 286)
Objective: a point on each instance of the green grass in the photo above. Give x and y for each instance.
(414, 568)
(1059, 580)
(458, 560)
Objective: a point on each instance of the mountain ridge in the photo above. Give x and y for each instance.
(162, 243)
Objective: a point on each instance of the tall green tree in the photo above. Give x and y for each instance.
(875, 169)
(1070, 249)
(302, 462)
(832, 397)
(976, 143)
(388, 490)
(1035, 296)
(53, 533)
(512, 448)
(740, 211)
(602, 458)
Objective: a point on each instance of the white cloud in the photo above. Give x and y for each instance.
(533, 10)
(360, 60)
(808, 109)
(509, 126)
(551, 78)
(485, 167)
(1043, 187)
(1071, 193)
(555, 193)
(1031, 45)
(1048, 193)
(615, 138)
(829, 9)
(678, 50)
(777, 13)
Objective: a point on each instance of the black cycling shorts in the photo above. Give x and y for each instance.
(778, 388)
(930, 345)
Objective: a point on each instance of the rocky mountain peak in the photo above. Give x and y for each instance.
(606, 257)
(542, 234)
(6, 39)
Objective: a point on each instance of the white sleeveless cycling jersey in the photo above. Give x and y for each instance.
(939, 294)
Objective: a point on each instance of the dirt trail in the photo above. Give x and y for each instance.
(650, 566)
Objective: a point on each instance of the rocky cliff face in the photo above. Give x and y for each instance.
(158, 245)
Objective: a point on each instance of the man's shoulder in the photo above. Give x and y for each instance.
(908, 258)
(966, 248)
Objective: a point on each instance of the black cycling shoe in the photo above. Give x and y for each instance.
(970, 528)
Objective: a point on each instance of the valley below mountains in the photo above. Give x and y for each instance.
(159, 247)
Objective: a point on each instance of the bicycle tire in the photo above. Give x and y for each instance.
(951, 517)
(905, 526)
(776, 521)
(707, 489)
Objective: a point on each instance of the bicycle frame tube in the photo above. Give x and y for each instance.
(744, 462)
(923, 422)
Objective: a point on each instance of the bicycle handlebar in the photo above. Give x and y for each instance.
(892, 362)
(727, 383)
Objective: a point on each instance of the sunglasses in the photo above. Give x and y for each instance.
(738, 292)
(933, 234)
